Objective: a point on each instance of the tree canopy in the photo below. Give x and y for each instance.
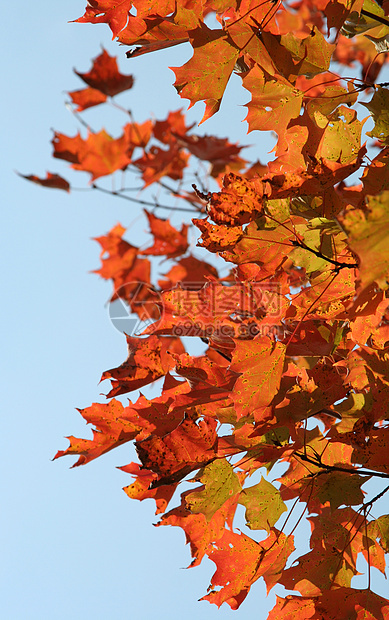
(293, 377)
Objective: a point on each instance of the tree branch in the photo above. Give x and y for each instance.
(336, 263)
(328, 468)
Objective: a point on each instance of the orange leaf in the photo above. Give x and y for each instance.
(239, 202)
(188, 447)
(105, 77)
(260, 363)
(110, 12)
(240, 561)
(199, 532)
(87, 98)
(206, 74)
(99, 154)
(147, 361)
(111, 431)
(140, 488)
(157, 163)
(104, 155)
(168, 241)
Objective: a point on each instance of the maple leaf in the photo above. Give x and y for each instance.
(52, 180)
(334, 604)
(293, 608)
(379, 528)
(99, 154)
(111, 431)
(199, 531)
(105, 77)
(87, 98)
(147, 360)
(263, 504)
(190, 272)
(112, 12)
(274, 103)
(368, 232)
(378, 106)
(171, 129)
(153, 33)
(219, 151)
(130, 274)
(372, 454)
(241, 561)
(296, 327)
(220, 483)
(206, 74)
(341, 139)
(260, 363)
(67, 148)
(237, 203)
(168, 241)
(104, 155)
(157, 163)
(188, 447)
(218, 237)
(138, 134)
(140, 488)
(357, 604)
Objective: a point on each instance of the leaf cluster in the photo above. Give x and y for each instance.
(295, 368)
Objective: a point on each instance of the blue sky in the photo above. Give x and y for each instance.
(75, 546)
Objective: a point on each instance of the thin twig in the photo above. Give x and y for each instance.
(142, 202)
(329, 468)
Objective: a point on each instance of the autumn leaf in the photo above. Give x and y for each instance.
(236, 557)
(87, 98)
(140, 488)
(368, 232)
(273, 104)
(240, 561)
(111, 430)
(188, 447)
(99, 154)
(147, 361)
(107, 11)
(199, 532)
(52, 180)
(263, 504)
(237, 203)
(379, 528)
(105, 77)
(287, 362)
(293, 608)
(206, 74)
(216, 238)
(157, 163)
(167, 240)
(260, 364)
(220, 484)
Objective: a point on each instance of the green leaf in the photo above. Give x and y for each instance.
(369, 239)
(220, 483)
(263, 504)
(380, 529)
(379, 108)
(341, 139)
(340, 488)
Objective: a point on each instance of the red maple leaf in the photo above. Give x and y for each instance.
(105, 77)
(168, 241)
